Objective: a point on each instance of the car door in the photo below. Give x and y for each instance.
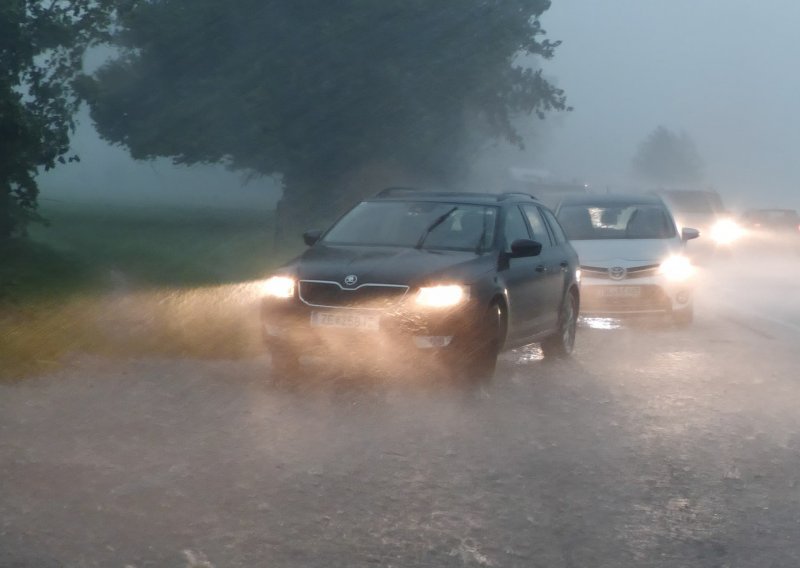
(552, 264)
(523, 278)
(560, 259)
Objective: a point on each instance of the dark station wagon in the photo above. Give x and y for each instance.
(458, 277)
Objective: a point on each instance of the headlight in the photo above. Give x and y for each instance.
(278, 287)
(442, 296)
(677, 268)
(726, 231)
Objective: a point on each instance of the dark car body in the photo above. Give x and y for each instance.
(352, 295)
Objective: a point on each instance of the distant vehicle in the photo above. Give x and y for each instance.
(459, 276)
(772, 221)
(631, 255)
(702, 210)
(541, 184)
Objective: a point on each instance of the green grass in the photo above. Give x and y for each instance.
(133, 281)
(164, 246)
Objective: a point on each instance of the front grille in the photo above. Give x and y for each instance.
(652, 298)
(632, 272)
(366, 296)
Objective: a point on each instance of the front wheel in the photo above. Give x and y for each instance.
(684, 317)
(477, 359)
(562, 342)
(285, 365)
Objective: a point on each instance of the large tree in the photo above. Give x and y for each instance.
(324, 93)
(668, 158)
(41, 50)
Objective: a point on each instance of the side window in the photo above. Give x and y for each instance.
(558, 232)
(514, 227)
(538, 227)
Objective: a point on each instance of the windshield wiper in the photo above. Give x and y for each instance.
(479, 246)
(436, 222)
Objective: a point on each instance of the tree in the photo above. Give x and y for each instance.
(325, 93)
(666, 157)
(41, 50)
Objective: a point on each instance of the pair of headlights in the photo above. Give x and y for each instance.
(439, 296)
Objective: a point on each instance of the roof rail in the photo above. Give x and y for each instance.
(513, 194)
(395, 190)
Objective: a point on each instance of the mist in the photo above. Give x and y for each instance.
(721, 71)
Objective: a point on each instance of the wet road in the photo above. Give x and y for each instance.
(653, 446)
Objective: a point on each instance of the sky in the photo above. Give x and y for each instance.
(724, 71)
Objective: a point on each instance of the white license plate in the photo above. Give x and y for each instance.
(344, 320)
(620, 291)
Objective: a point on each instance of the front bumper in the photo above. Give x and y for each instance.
(287, 324)
(650, 295)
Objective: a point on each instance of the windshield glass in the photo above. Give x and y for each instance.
(449, 226)
(623, 221)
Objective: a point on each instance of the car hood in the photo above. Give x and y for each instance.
(624, 251)
(389, 265)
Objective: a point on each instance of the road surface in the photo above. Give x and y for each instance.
(653, 447)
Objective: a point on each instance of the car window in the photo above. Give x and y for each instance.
(616, 221)
(555, 226)
(537, 225)
(449, 226)
(514, 227)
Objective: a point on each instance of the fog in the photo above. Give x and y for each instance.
(720, 71)
(723, 71)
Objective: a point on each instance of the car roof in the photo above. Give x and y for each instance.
(612, 199)
(465, 197)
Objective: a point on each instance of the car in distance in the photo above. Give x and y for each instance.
(772, 221)
(457, 276)
(631, 254)
(704, 211)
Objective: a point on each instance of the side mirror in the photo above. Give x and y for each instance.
(687, 234)
(525, 247)
(311, 237)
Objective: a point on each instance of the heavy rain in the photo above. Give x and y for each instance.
(555, 323)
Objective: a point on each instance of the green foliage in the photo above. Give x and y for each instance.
(41, 50)
(133, 281)
(313, 90)
(666, 157)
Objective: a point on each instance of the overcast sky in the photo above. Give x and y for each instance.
(725, 71)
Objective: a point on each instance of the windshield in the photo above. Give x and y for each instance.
(423, 224)
(634, 221)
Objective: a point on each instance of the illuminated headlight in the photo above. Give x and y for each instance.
(578, 275)
(443, 296)
(677, 268)
(278, 287)
(726, 231)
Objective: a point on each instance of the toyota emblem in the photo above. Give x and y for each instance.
(617, 272)
(350, 280)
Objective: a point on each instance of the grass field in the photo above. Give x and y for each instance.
(132, 281)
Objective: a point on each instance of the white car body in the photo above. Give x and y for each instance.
(627, 276)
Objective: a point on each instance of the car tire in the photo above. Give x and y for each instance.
(561, 344)
(286, 365)
(684, 317)
(477, 360)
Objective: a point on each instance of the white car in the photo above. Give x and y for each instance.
(631, 255)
